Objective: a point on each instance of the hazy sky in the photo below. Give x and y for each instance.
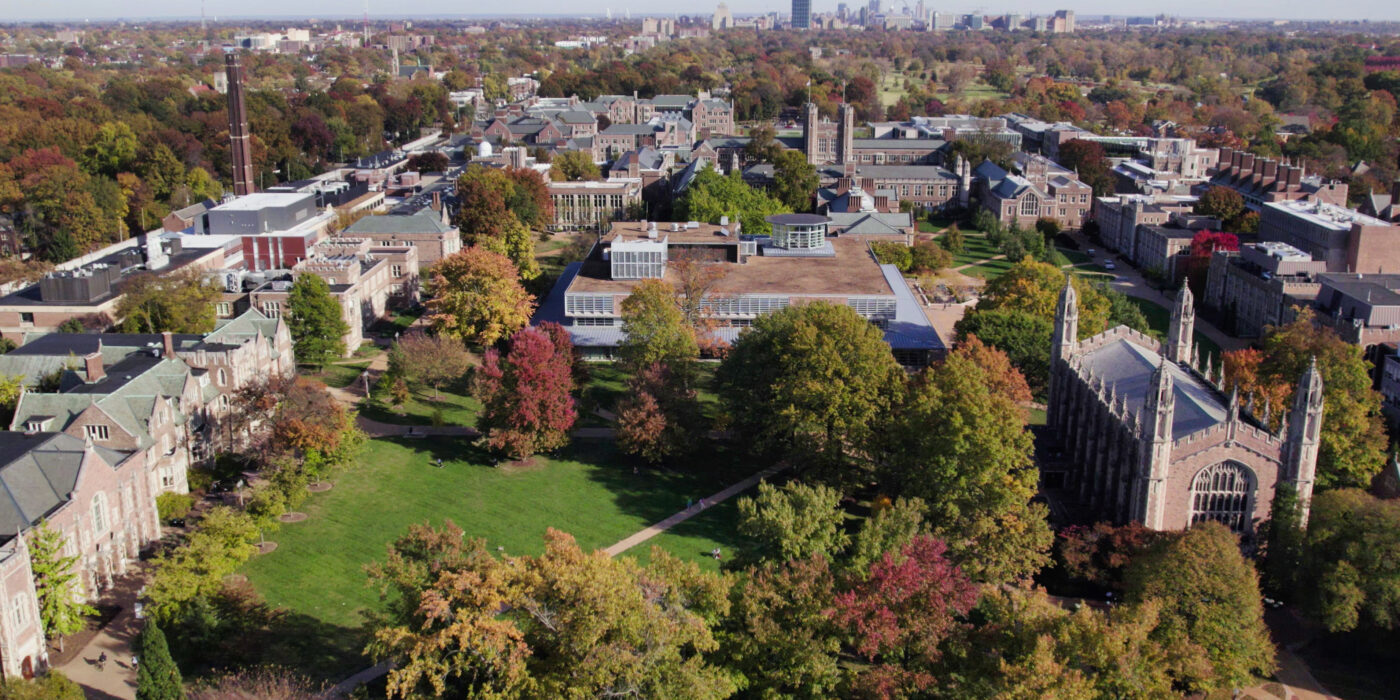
(106, 9)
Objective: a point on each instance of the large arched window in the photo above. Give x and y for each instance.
(1030, 205)
(1224, 493)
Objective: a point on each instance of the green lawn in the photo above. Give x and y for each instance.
(338, 376)
(458, 407)
(607, 382)
(989, 270)
(1074, 256)
(975, 250)
(317, 570)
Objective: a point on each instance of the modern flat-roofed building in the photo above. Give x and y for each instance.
(1119, 217)
(1345, 239)
(1363, 308)
(801, 14)
(591, 205)
(798, 263)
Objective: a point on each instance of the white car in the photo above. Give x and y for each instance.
(1091, 251)
(140, 610)
(1108, 265)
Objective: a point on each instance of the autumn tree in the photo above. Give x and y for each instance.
(794, 180)
(482, 195)
(1091, 162)
(763, 146)
(655, 329)
(312, 425)
(428, 162)
(525, 395)
(1220, 203)
(178, 303)
(573, 166)
(477, 297)
(1353, 442)
(816, 382)
(1101, 552)
(1022, 336)
(659, 416)
(1210, 604)
(961, 445)
(898, 614)
(429, 359)
(316, 321)
(696, 280)
(581, 624)
(952, 240)
(61, 612)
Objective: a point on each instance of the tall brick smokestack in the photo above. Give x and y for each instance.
(242, 150)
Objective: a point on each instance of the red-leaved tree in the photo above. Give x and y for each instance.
(527, 406)
(1203, 244)
(900, 614)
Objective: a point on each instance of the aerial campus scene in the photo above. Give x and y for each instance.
(774, 349)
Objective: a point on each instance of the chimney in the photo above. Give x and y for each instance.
(1225, 162)
(93, 364)
(242, 151)
(1246, 163)
(1295, 177)
(1270, 168)
(437, 200)
(1395, 195)
(168, 340)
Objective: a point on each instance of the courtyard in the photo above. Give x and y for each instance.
(588, 489)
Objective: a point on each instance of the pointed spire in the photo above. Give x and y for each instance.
(1249, 404)
(1268, 412)
(1283, 425)
(1112, 394)
(1234, 410)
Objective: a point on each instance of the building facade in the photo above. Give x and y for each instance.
(592, 205)
(1149, 435)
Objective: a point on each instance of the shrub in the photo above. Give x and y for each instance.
(174, 505)
(927, 256)
(893, 253)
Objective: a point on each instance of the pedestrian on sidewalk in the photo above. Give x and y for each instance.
(102, 661)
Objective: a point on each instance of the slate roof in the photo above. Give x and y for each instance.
(423, 221)
(627, 130)
(38, 473)
(576, 117)
(671, 101)
(1127, 368)
(899, 144)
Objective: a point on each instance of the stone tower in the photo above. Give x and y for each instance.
(1157, 441)
(1063, 343)
(1183, 327)
(811, 128)
(845, 134)
(1304, 427)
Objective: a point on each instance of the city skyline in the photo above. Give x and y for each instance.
(93, 10)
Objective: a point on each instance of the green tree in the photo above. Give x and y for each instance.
(515, 242)
(429, 359)
(952, 240)
(962, 446)
(157, 676)
(814, 381)
(476, 296)
(179, 303)
(779, 638)
(316, 321)
(794, 521)
(1024, 337)
(50, 686)
(890, 529)
(655, 329)
(55, 584)
(1348, 578)
(712, 196)
(1210, 601)
(763, 146)
(112, 150)
(11, 386)
(794, 180)
(574, 165)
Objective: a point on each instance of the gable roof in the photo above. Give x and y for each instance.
(422, 221)
(1126, 368)
(38, 473)
(868, 223)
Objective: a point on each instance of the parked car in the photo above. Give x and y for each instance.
(140, 610)
(1108, 265)
(1091, 251)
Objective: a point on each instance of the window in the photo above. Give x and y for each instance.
(1223, 493)
(1030, 206)
(26, 318)
(588, 304)
(223, 376)
(19, 612)
(99, 513)
(96, 432)
(272, 309)
(223, 309)
(396, 270)
(589, 321)
(872, 307)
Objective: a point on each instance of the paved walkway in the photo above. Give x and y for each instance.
(117, 639)
(983, 261)
(670, 522)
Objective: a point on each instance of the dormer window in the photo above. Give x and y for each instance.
(37, 426)
(96, 432)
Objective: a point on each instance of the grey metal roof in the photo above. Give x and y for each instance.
(576, 117)
(1127, 368)
(859, 222)
(671, 101)
(916, 172)
(899, 144)
(628, 130)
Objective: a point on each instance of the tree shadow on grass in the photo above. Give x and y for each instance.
(319, 650)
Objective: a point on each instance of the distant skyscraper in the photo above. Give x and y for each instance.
(723, 19)
(242, 151)
(801, 14)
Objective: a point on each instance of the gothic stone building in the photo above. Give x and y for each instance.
(1150, 436)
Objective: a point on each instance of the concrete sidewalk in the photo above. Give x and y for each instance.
(696, 509)
(117, 639)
